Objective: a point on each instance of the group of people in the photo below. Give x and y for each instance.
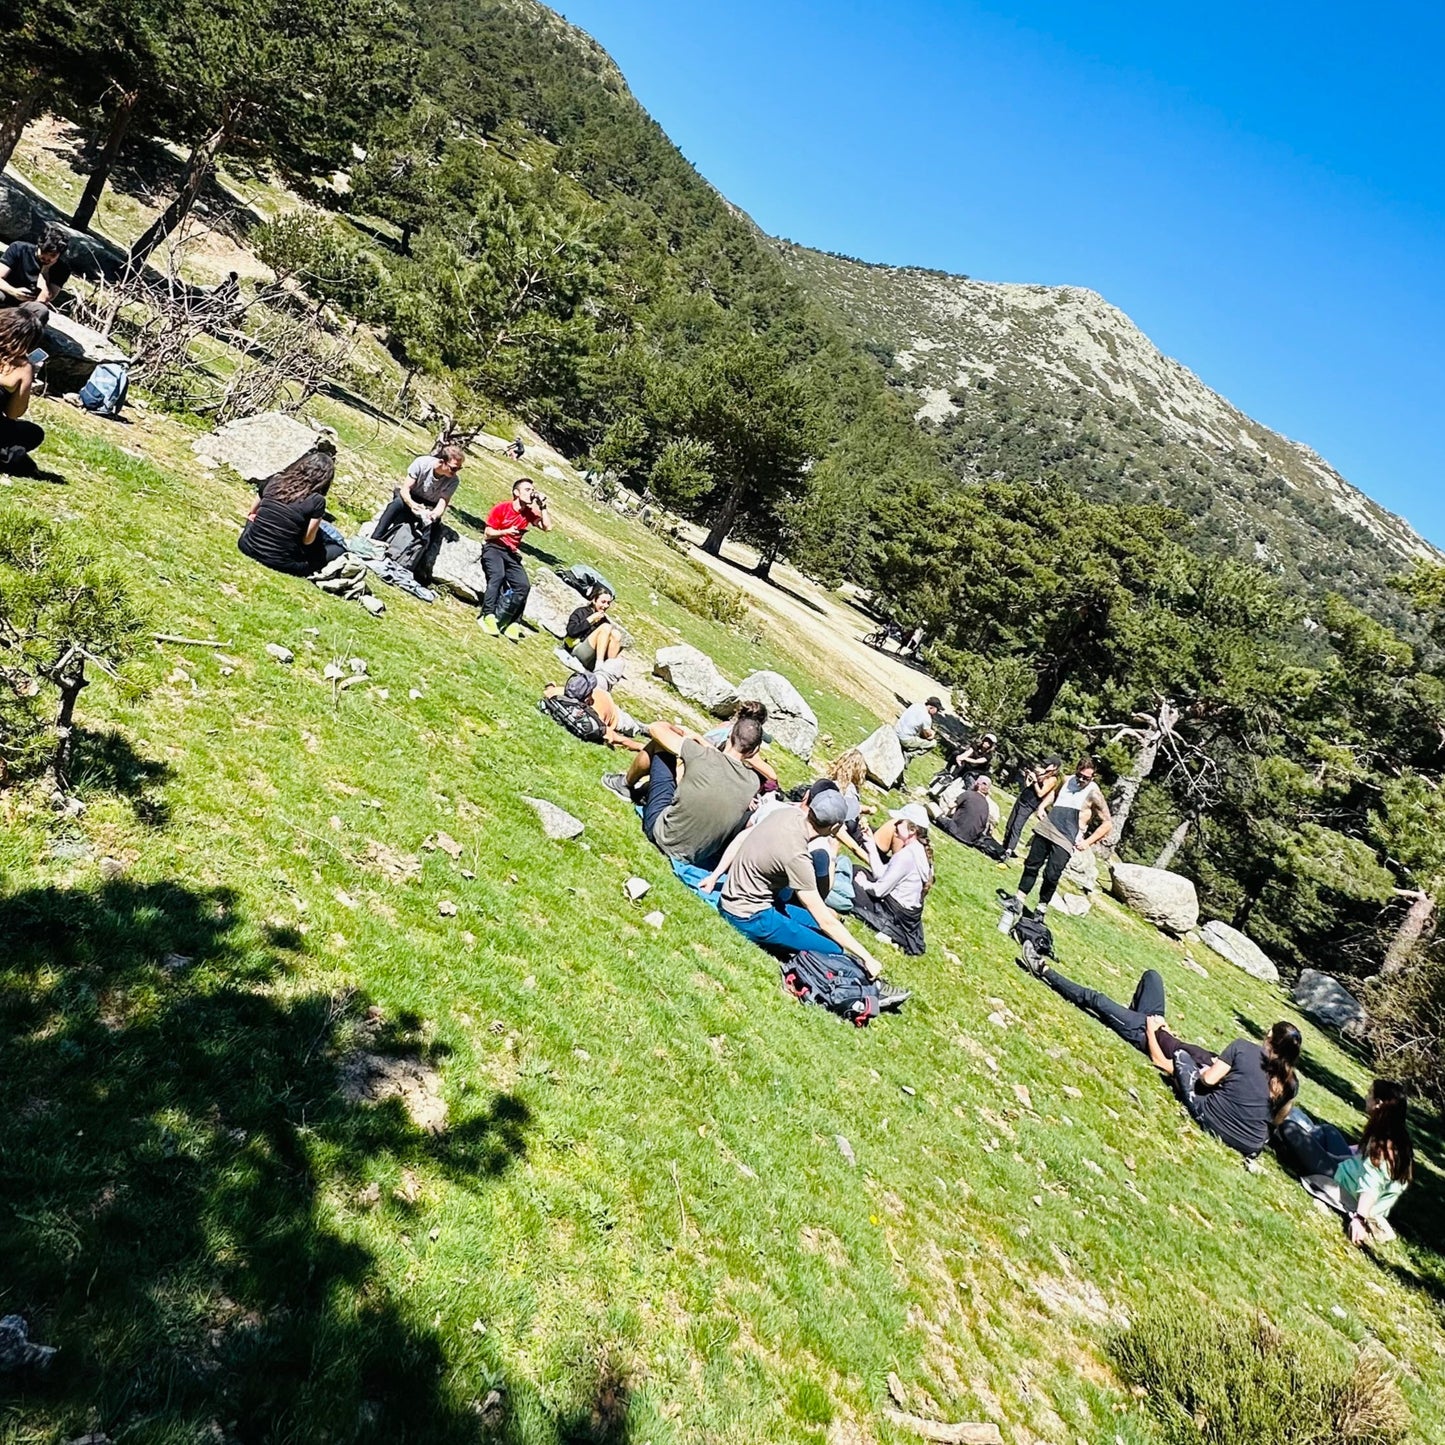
(32, 276)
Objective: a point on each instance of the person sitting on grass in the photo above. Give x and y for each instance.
(35, 270)
(973, 760)
(770, 888)
(591, 638)
(697, 796)
(850, 771)
(21, 328)
(889, 896)
(501, 560)
(282, 527)
(586, 689)
(421, 500)
(1362, 1181)
(971, 821)
(914, 727)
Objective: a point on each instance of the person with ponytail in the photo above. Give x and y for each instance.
(1244, 1093)
(1362, 1181)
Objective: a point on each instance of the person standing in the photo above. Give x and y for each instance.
(1035, 784)
(501, 559)
(1061, 825)
(914, 727)
(421, 500)
(20, 331)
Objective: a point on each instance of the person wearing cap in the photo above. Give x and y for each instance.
(770, 888)
(1035, 784)
(623, 730)
(889, 896)
(950, 783)
(915, 727)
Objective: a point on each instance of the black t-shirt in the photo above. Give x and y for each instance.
(21, 262)
(1238, 1109)
(274, 537)
(970, 819)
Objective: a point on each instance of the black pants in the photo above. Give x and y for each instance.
(504, 569)
(1052, 858)
(1311, 1147)
(1129, 1023)
(19, 434)
(1024, 805)
(395, 514)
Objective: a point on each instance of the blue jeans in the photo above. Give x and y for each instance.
(784, 928)
(661, 790)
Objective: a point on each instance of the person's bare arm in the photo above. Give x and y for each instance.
(669, 738)
(1214, 1074)
(1106, 823)
(9, 288)
(1046, 798)
(255, 507)
(312, 528)
(621, 740)
(764, 770)
(709, 884)
(19, 378)
(828, 922)
(544, 519)
(442, 504)
(1152, 1025)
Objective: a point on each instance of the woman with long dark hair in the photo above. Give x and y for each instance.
(1363, 1180)
(281, 529)
(21, 328)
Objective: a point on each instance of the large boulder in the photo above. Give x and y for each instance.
(884, 755)
(75, 351)
(17, 215)
(550, 602)
(1165, 899)
(791, 721)
(696, 676)
(1242, 952)
(459, 567)
(257, 447)
(1329, 1002)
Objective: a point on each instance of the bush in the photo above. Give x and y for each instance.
(1238, 1380)
(712, 600)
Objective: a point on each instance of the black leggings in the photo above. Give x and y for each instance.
(17, 432)
(504, 569)
(1129, 1023)
(1052, 858)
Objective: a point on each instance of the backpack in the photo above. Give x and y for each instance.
(835, 982)
(106, 391)
(1033, 935)
(576, 717)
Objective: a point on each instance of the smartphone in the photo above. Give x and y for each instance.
(38, 357)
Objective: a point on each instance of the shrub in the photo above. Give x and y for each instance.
(1237, 1380)
(706, 598)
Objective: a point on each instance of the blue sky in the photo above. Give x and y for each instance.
(1262, 187)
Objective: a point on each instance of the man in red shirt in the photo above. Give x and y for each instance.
(500, 560)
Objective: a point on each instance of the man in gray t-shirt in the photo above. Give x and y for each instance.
(420, 501)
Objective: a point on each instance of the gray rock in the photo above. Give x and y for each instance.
(459, 567)
(791, 721)
(373, 605)
(17, 215)
(75, 351)
(1166, 899)
(696, 676)
(550, 602)
(257, 447)
(884, 755)
(111, 869)
(281, 654)
(17, 1350)
(1242, 952)
(556, 822)
(1328, 1001)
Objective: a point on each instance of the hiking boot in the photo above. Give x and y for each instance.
(1032, 961)
(890, 996)
(514, 632)
(617, 783)
(488, 624)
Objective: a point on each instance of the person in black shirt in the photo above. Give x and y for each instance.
(591, 638)
(282, 529)
(34, 271)
(21, 328)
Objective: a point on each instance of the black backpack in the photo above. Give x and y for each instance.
(1033, 934)
(835, 982)
(576, 717)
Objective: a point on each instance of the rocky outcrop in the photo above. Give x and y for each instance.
(550, 602)
(791, 722)
(257, 447)
(696, 676)
(1166, 899)
(1242, 952)
(75, 351)
(884, 755)
(458, 567)
(1328, 1001)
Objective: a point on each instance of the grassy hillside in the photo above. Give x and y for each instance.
(638, 1224)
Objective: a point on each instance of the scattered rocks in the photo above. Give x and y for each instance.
(696, 677)
(281, 654)
(447, 908)
(445, 843)
(637, 888)
(1193, 966)
(257, 447)
(1329, 1002)
(1166, 899)
(655, 919)
(1242, 952)
(368, 1078)
(556, 822)
(791, 722)
(357, 666)
(883, 754)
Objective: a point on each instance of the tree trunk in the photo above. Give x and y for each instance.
(1128, 789)
(764, 569)
(70, 681)
(404, 245)
(198, 170)
(1176, 842)
(1413, 928)
(17, 117)
(404, 394)
(713, 543)
(105, 162)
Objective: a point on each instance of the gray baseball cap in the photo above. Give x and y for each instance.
(828, 809)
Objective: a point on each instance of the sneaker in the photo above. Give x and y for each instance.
(890, 996)
(488, 624)
(617, 783)
(514, 632)
(1032, 961)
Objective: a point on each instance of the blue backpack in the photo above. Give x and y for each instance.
(106, 391)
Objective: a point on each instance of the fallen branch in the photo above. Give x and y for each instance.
(186, 641)
(945, 1434)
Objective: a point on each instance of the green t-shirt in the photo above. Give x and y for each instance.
(1374, 1191)
(712, 799)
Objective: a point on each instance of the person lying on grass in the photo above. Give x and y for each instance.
(585, 688)
(501, 560)
(282, 526)
(889, 896)
(770, 887)
(1362, 1181)
(591, 637)
(694, 796)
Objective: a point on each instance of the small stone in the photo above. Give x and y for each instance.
(467, 873)
(556, 822)
(373, 605)
(281, 654)
(998, 1020)
(1193, 966)
(582, 1056)
(1092, 1167)
(111, 869)
(1070, 1092)
(344, 898)
(447, 844)
(637, 888)
(369, 1197)
(333, 672)
(846, 1150)
(478, 1327)
(227, 671)
(180, 675)
(1338, 1313)
(434, 1235)
(530, 982)
(908, 1089)
(447, 908)
(469, 939)
(358, 666)
(383, 694)
(176, 962)
(312, 631)
(656, 918)
(414, 694)
(1024, 1097)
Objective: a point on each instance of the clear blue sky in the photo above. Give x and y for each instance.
(1261, 187)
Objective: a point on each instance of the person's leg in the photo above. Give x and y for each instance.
(1186, 1080)
(661, 791)
(520, 585)
(1053, 871)
(426, 563)
(913, 746)
(1017, 818)
(1039, 848)
(392, 516)
(18, 438)
(494, 566)
(1149, 994)
(613, 644)
(1307, 1145)
(781, 930)
(1128, 1023)
(585, 654)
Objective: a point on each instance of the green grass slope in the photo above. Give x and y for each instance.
(639, 1224)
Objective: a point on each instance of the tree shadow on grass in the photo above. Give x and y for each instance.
(177, 1168)
(108, 762)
